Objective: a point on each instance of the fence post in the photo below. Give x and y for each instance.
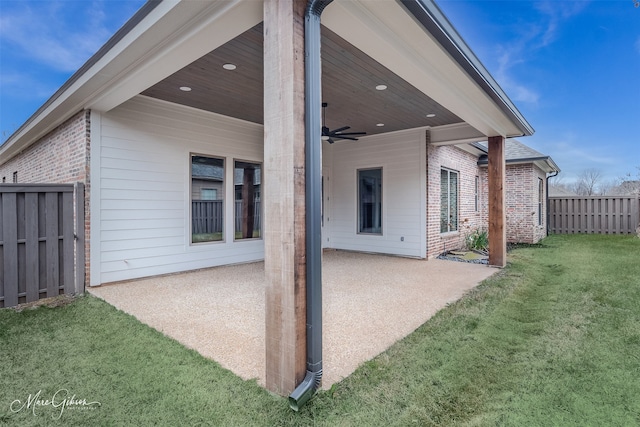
(10, 248)
(79, 238)
(635, 213)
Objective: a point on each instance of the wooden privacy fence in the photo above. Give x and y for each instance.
(257, 208)
(206, 216)
(41, 246)
(594, 215)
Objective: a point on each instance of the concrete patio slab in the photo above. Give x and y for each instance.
(369, 303)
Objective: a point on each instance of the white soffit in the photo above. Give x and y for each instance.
(389, 34)
(202, 29)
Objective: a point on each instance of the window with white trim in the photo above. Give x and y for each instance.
(540, 200)
(370, 201)
(448, 200)
(477, 194)
(207, 199)
(247, 181)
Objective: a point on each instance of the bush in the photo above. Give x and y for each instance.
(478, 240)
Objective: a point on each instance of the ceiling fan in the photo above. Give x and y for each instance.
(332, 135)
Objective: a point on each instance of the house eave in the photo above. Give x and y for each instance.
(545, 163)
(432, 18)
(162, 35)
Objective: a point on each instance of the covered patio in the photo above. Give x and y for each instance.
(370, 302)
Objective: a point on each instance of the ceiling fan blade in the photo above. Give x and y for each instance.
(350, 133)
(340, 129)
(331, 141)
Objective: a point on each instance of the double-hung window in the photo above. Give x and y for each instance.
(448, 200)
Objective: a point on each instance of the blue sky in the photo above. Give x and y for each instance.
(571, 67)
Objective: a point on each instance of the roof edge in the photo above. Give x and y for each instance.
(433, 19)
(484, 160)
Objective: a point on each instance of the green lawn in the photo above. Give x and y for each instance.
(552, 340)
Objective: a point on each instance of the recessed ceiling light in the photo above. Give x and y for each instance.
(380, 125)
(185, 88)
(431, 115)
(381, 87)
(229, 66)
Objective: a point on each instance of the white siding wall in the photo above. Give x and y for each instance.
(141, 178)
(402, 157)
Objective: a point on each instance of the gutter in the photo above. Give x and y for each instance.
(485, 160)
(313, 159)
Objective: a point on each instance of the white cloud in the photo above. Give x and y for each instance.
(573, 157)
(531, 37)
(54, 33)
(25, 86)
(516, 90)
(556, 12)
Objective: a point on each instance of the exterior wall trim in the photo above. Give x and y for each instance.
(95, 198)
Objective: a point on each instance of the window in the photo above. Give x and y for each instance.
(448, 201)
(209, 194)
(207, 199)
(540, 200)
(370, 201)
(247, 181)
(477, 194)
(15, 177)
(4, 179)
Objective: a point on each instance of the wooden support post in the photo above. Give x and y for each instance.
(284, 194)
(497, 211)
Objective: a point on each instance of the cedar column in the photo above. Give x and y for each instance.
(284, 194)
(497, 211)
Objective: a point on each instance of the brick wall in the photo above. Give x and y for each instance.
(522, 203)
(469, 219)
(60, 157)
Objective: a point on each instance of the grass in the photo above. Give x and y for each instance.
(552, 340)
(206, 237)
(215, 237)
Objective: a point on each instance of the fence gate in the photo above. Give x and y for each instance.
(41, 241)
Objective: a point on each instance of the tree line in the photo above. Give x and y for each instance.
(591, 182)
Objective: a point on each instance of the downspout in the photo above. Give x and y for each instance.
(547, 198)
(313, 159)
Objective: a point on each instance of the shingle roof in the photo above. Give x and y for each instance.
(517, 152)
